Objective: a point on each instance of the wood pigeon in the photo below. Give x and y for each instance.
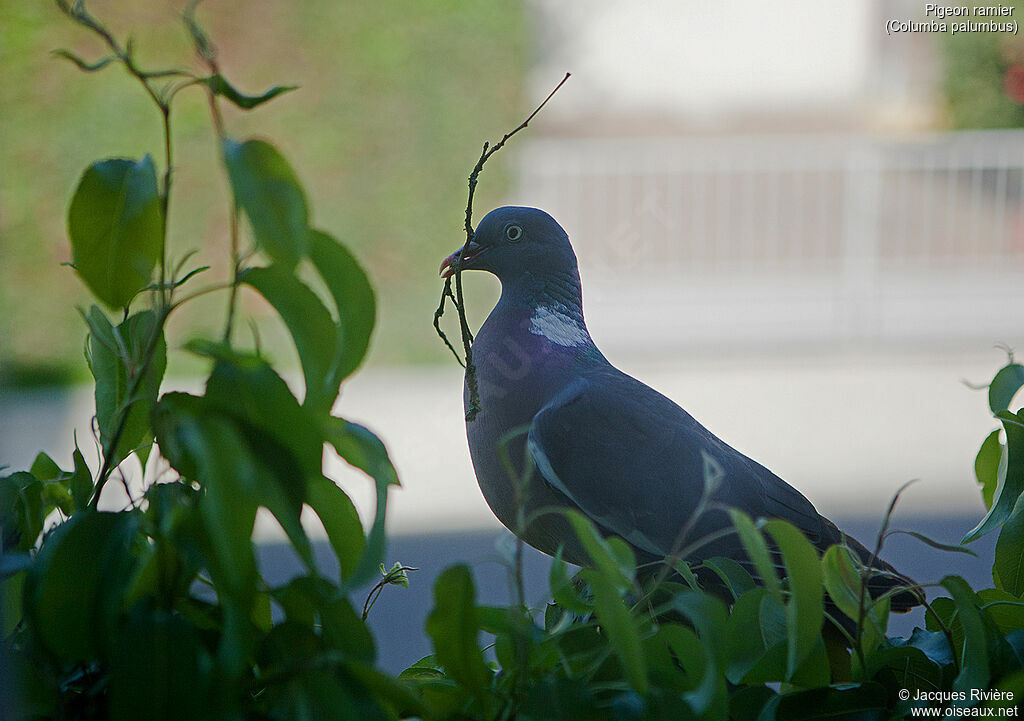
(602, 442)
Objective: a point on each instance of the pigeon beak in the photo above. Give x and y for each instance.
(468, 251)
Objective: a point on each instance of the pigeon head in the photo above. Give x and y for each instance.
(515, 243)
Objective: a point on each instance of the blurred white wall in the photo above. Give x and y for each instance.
(703, 59)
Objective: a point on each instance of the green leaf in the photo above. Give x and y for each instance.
(1003, 609)
(353, 297)
(12, 584)
(74, 590)
(618, 623)
(452, 626)
(986, 466)
(364, 450)
(757, 550)
(710, 619)
(1011, 478)
(21, 510)
(733, 575)
(247, 389)
(85, 65)
(361, 448)
(948, 547)
(974, 660)
(116, 223)
(311, 327)
(266, 188)
(1008, 568)
(117, 356)
(744, 641)
(563, 591)
(222, 87)
(600, 552)
(206, 447)
(341, 522)
(157, 669)
(45, 468)
(804, 610)
(842, 580)
(1004, 386)
(81, 480)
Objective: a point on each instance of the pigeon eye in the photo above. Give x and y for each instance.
(513, 233)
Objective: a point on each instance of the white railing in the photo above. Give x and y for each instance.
(778, 238)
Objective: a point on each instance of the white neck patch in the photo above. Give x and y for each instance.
(557, 326)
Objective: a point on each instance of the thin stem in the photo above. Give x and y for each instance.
(165, 294)
(460, 305)
(208, 55)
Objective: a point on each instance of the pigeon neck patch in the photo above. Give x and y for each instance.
(555, 323)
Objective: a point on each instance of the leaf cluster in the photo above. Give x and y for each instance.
(158, 609)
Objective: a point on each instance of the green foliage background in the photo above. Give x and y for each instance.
(974, 66)
(387, 123)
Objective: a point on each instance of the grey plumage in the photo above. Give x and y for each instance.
(629, 458)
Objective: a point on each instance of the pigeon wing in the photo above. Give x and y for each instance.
(635, 463)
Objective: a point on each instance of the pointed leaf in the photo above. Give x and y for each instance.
(986, 466)
(938, 545)
(1011, 478)
(618, 623)
(266, 188)
(116, 358)
(804, 610)
(744, 641)
(361, 448)
(733, 575)
(81, 481)
(364, 450)
(353, 297)
(710, 619)
(600, 552)
(115, 223)
(757, 550)
(222, 87)
(453, 628)
(842, 580)
(341, 522)
(312, 329)
(973, 654)
(1004, 386)
(85, 65)
(1008, 569)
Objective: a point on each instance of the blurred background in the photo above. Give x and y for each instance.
(804, 228)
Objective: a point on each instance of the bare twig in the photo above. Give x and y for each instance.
(457, 299)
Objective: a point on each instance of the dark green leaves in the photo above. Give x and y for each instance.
(266, 188)
(353, 298)
(1004, 386)
(803, 610)
(330, 347)
(1010, 477)
(986, 466)
(312, 329)
(1008, 569)
(220, 86)
(128, 363)
(116, 227)
(453, 628)
(73, 590)
(618, 623)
